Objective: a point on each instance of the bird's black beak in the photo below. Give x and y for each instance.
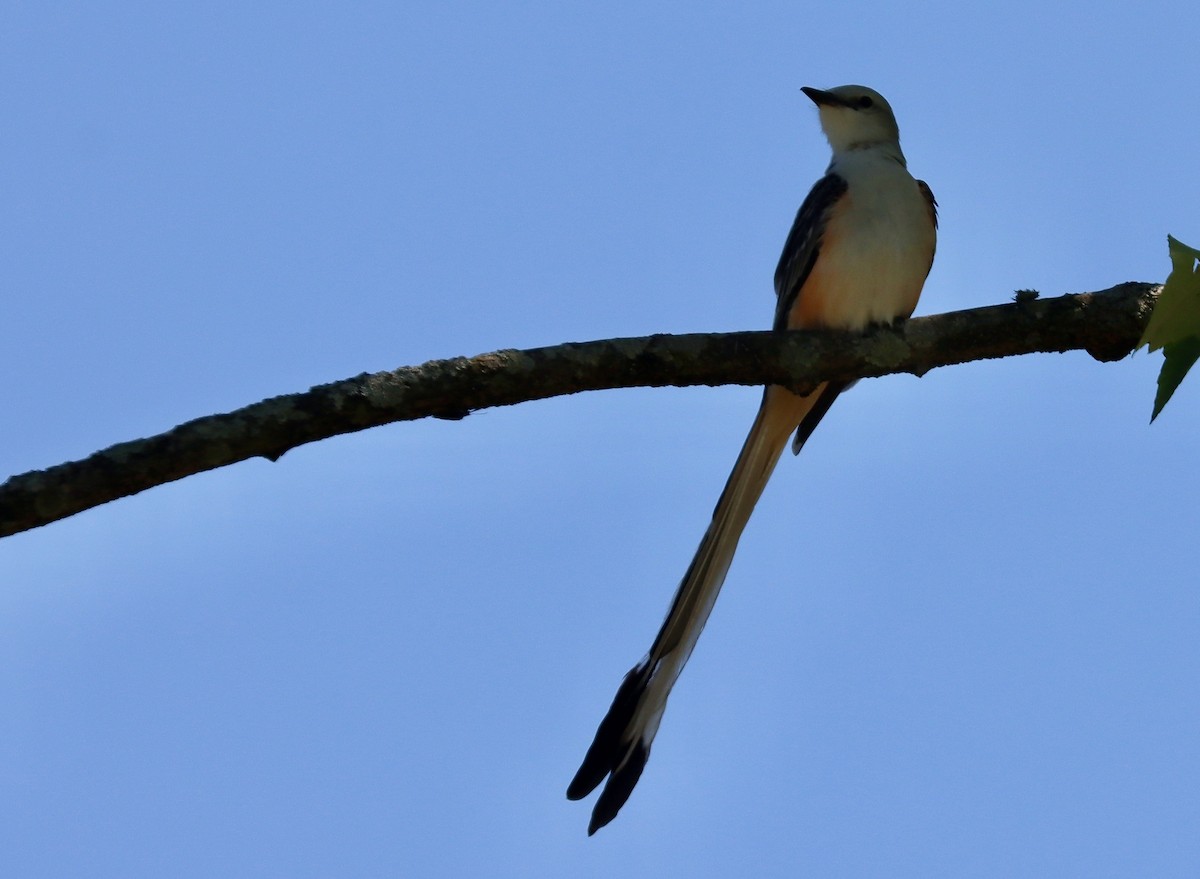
(823, 98)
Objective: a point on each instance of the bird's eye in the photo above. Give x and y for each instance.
(865, 102)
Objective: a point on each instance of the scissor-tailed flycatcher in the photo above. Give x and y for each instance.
(857, 255)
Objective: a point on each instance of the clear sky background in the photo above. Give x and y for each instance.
(961, 636)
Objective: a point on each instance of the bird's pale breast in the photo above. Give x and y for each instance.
(875, 252)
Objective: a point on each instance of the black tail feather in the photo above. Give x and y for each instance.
(620, 785)
(613, 751)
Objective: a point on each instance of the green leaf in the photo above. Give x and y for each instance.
(1179, 358)
(1175, 324)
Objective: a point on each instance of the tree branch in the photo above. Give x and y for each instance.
(1107, 324)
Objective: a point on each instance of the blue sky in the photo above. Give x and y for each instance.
(960, 636)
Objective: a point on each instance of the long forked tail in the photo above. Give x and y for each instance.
(622, 743)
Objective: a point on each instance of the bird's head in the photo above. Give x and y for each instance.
(854, 116)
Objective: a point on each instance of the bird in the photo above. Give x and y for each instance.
(857, 256)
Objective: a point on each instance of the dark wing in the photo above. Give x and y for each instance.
(928, 193)
(800, 253)
(804, 244)
(830, 392)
